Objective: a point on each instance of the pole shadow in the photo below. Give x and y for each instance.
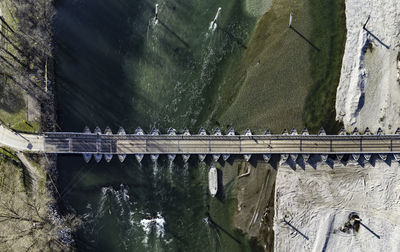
(218, 227)
(375, 234)
(375, 37)
(295, 229)
(305, 39)
(174, 34)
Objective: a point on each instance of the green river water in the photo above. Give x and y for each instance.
(114, 68)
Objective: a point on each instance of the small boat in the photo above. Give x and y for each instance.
(98, 156)
(225, 156)
(340, 156)
(121, 157)
(367, 156)
(87, 156)
(324, 157)
(213, 180)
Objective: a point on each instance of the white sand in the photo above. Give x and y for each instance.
(318, 202)
(368, 94)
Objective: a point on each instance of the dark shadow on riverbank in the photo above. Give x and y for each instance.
(376, 38)
(220, 228)
(370, 230)
(305, 39)
(295, 229)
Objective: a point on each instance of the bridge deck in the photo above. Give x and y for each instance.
(196, 144)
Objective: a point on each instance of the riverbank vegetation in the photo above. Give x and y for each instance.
(25, 54)
(27, 223)
(28, 219)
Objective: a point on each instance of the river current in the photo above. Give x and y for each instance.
(115, 67)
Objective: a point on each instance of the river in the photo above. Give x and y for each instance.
(115, 67)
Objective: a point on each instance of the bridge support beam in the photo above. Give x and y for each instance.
(139, 157)
(87, 156)
(108, 157)
(98, 156)
(121, 132)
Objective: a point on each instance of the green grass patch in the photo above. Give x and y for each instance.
(27, 127)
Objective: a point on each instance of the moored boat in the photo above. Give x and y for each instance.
(213, 180)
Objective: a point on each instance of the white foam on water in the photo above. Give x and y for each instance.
(155, 169)
(213, 26)
(155, 225)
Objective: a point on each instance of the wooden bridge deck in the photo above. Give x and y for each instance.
(196, 144)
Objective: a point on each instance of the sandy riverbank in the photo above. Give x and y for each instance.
(313, 203)
(369, 90)
(316, 202)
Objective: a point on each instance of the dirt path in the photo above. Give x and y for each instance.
(31, 169)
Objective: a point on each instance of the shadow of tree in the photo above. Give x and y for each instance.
(11, 99)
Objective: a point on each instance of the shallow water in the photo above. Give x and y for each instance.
(114, 68)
